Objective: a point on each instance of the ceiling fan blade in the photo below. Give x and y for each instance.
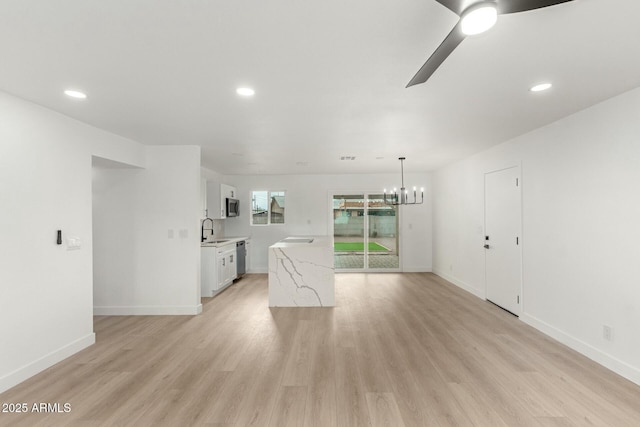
(515, 6)
(456, 6)
(452, 41)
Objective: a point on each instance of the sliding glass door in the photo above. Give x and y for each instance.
(382, 226)
(348, 231)
(365, 233)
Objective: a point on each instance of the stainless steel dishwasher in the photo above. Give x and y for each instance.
(241, 257)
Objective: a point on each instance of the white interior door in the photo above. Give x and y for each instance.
(502, 238)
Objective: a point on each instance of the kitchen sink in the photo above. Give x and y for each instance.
(219, 241)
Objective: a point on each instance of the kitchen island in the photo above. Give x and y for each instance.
(301, 272)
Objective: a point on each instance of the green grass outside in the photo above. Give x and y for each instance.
(358, 247)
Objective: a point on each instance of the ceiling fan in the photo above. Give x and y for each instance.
(476, 16)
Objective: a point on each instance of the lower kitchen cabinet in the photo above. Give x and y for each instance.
(226, 265)
(218, 268)
(208, 271)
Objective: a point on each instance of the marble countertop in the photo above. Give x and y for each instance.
(303, 241)
(223, 241)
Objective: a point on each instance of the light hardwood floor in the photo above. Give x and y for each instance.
(398, 350)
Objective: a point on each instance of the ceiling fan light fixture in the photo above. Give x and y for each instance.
(479, 18)
(540, 87)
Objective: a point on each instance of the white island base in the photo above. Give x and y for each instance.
(301, 273)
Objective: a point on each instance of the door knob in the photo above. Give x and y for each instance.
(486, 246)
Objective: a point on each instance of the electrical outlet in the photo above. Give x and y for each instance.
(607, 333)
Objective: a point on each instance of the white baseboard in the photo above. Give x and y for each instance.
(27, 371)
(618, 366)
(480, 293)
(148, 310)
(416, 269)
(411, 269)
(629, 372)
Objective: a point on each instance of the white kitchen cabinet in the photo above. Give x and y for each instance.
(228, 191)
(215, 209)
(217, 195)
(208, 271)
(226, 265)
(217, 268)
(203, 198)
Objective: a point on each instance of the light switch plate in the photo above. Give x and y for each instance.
(73, 243)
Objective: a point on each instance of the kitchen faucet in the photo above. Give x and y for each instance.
(202, 236)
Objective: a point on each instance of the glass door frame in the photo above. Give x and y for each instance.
(366, 268)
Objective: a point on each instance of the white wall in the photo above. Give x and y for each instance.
(581, 228)
(45, 185)
(308, 212)
(125, 152)
(146, 225)
(46, 290)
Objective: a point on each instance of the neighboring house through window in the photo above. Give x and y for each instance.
(267, 207)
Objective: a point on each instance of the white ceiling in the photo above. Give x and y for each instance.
(329, 75)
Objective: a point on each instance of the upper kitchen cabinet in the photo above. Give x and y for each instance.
(217, 195)
(203, 197)
(228, 191)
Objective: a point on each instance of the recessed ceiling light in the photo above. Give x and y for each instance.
(540, 87)
(245, 91)
(75, 94)
(347, 157)
(478, 19)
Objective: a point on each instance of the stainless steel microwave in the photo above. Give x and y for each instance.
(233, 207)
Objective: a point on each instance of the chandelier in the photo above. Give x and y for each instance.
(396, 199)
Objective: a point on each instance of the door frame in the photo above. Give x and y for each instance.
(518, 165)
(330, 230)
